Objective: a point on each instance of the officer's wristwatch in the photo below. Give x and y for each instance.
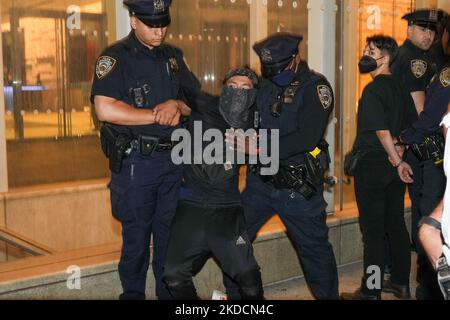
(429, 221)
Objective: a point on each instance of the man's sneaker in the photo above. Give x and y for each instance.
(400, 291)
(218, 295)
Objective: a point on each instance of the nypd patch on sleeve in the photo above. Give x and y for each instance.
(325, 96)
(418, 68)
(445, 77)
(105, 65)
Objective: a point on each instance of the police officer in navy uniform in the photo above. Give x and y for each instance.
(426, 140)
(415, 70)
(298, 102)
(135, 91)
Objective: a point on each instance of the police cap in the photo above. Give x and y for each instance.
(427, 18)
(276, 52)
(154, 13)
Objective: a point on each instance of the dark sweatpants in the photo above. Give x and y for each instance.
(199, 232)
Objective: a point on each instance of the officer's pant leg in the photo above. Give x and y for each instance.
(306, 223)
(371, 180)
(167, 199)
(127, 202)
(187, 251)
(414, 191)
(433, 189)
(230, 244)
(134, 261)
(257, 211)
(397, 233)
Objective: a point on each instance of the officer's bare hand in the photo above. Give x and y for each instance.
(236, 140)
(168, 113)
(405, 172)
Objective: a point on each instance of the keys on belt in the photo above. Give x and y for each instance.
(146, 145)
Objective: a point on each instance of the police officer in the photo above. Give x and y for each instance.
(434, 229)
(136, 86)
(296, 101)
(427, 142)
(210, 217)
(414, 69)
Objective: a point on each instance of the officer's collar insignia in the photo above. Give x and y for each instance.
(158, 6)
(266, 55)
(325, 96)
(105, 65)
(418, 68)
(174, 65)
(445, 77)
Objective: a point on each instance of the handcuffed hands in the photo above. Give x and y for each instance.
(405, 172)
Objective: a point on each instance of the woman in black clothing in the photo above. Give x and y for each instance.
(385, 109)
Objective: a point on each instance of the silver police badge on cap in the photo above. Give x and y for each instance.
(266, 55)
(105, 65)
(158, 6)
(445, 77)
(418, 68)
(325, 96)
(434, 15)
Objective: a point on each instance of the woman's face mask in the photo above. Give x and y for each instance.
(235, 104)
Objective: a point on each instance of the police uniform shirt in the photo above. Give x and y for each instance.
(384, 105)
(412, 67)
(303, 122)
(130, 72)
(214, 184)
(438, 98)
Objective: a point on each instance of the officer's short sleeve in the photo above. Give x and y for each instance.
(318, 103)
(417, 74)
(373, 116)
(108, 79)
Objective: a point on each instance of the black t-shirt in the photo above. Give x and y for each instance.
(213, 184)
(384, 105)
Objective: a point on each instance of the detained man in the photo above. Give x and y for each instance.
(210, 219)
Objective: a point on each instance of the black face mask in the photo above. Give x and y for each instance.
(235, 105)
(368, 64)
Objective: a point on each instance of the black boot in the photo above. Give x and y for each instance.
(359, 295)
(400, 291)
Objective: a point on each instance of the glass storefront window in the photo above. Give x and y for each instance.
(49, 53)
(290, 16)
(214, 36)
